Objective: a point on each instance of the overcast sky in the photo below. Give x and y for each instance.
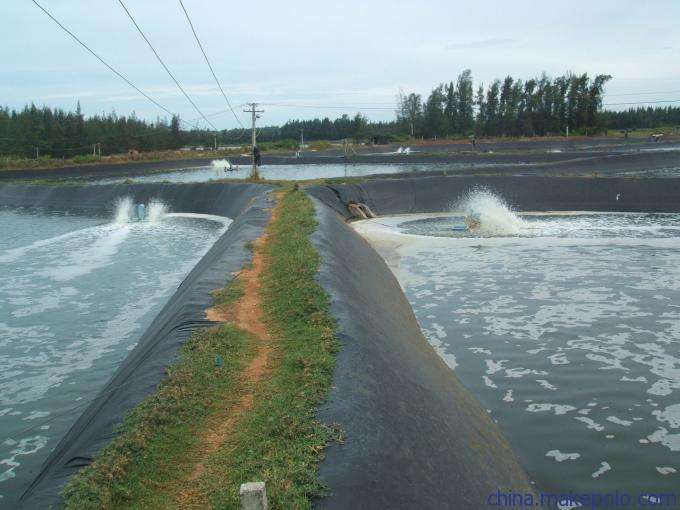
(346, 53)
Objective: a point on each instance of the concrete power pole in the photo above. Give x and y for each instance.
(254, 111)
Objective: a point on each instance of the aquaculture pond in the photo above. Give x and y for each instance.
(565, 326)
(76, 294)
(291, 172)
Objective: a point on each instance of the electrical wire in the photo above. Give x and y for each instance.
(332, 107)
(167, 70)
(642, 102)
(109, 66)
(643, 93)
(207, 61)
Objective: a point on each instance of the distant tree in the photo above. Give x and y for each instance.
(594, 100)
(528, 105)
(410, 112)
(359, 127)
(465, 102)
(506, 107)
(451, 109)
(435, 121)
(480, 102)
(175, 135)
(492, 125)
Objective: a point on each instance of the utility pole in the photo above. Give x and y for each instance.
(254, 111)
(94, 149)
(37, 152)
(302, 140)
(215, 143)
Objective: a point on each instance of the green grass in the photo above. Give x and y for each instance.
(156, 434)
(229, 294)
(278, 440)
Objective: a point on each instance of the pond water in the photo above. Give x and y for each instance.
(565, 326)
(76, 294)
(293, 172)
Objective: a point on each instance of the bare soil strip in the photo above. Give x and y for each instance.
(246, 314)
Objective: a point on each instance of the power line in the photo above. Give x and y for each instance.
(643, 93)
(642, 102)
(158, 57)
(331, 107)
(111, 68)
(207, 61)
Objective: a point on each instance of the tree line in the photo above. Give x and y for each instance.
(509, 107)
(642, 117)
(37, 131)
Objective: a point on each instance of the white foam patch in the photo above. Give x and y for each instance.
(619, 421)
(592, 424)
(662, 388)
(670, 441)
(641, 378)
(26, 446)
(558, 359)
(479, 350)
(558, 409)
(561, 457)
(545, 384)
(493, 366)
(488, 382)
(670, 415)
(604, 467)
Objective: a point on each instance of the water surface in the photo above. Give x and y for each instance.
(566, 328)
(76, 294)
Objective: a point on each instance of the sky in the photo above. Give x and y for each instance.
(321, 58)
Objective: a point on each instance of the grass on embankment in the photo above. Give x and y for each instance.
(277, 440)
(280, 441)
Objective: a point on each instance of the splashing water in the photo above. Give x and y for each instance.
(495, 216)
(123, 212)
(221, 164)
(156, 211)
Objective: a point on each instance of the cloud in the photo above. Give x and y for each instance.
(482, 43)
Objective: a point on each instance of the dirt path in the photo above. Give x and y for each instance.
(246, 314)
